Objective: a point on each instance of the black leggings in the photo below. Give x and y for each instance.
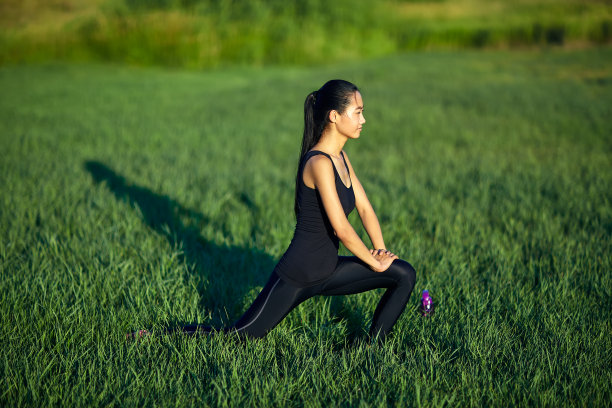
(351, 276)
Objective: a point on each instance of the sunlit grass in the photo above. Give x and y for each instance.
(139, 198)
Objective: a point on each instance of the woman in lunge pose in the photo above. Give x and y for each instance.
(326, 191)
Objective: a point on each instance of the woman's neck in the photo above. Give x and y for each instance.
(331, 143)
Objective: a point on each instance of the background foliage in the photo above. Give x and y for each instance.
(211, 33)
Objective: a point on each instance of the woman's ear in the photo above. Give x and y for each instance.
(333, 116)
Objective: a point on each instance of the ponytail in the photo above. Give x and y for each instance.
(334, 95)
(309, 139)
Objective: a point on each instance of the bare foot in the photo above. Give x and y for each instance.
(139, 334)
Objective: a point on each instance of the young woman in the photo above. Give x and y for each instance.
(326, 191)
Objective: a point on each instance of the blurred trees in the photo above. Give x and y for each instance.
(208, 33)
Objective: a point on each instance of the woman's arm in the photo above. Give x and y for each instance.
(365, 210)
(321, 170)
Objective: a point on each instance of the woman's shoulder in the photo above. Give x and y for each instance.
(318, 164)
(314, 156)
(317, 161)
(316, 167)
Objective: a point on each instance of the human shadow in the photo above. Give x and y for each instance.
(223, 266)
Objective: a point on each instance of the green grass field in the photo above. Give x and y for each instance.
(146, 198)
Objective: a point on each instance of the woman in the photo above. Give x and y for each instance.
(326, 191)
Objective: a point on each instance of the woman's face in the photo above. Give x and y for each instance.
(350, 122)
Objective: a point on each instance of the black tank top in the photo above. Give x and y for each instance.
(313, 253)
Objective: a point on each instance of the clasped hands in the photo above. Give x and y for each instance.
(384, 257)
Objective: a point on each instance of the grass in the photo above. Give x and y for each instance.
(204, 34)
(149, 198)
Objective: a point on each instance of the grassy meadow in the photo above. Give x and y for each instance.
(199, 34)
(146, 198)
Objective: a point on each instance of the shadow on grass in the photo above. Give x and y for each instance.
(181, 226)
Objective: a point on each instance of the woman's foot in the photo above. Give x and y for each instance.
(139, 334)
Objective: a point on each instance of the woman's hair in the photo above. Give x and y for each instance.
(334, 95)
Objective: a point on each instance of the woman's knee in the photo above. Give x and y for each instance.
(405, 272)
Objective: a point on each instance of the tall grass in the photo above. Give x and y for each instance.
(203, 34)
(139, 198)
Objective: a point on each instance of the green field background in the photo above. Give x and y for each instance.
(198, 34)
(147, 198)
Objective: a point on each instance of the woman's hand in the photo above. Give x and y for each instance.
(384, 258)
(381, 251)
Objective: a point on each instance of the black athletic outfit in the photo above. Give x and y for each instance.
(311, 266)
